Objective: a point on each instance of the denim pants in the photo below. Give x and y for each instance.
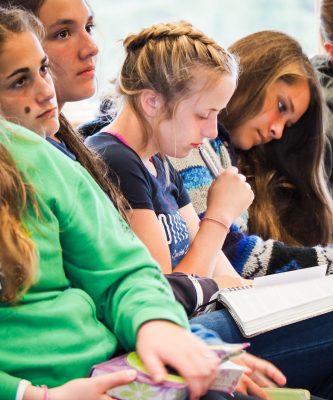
(303, 350)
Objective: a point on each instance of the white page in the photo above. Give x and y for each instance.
(251, 304)
(290, 276)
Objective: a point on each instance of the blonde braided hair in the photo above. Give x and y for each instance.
(163, 58)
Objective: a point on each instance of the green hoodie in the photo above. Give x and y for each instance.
(96, 284)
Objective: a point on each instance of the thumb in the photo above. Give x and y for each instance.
(115, 379)
(155, 368)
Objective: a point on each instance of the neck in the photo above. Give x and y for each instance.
(60, 106)
(127, 125)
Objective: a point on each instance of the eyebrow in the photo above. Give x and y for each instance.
(67, 21)
(25, 70)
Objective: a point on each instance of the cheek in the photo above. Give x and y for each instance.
(12, 108)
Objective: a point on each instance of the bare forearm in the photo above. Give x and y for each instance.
(205, 251)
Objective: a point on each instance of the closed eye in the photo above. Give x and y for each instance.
(202, 116)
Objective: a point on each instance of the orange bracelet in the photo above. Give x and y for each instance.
(217, 221)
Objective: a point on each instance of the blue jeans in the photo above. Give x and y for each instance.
(303, 351)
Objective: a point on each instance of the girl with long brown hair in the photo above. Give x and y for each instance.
(72, 52)
(272, 129)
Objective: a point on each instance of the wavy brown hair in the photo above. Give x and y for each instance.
(292, 202)
(17, 251)
(89, 159)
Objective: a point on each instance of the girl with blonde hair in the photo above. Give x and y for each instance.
(67, 301)
(172, 76)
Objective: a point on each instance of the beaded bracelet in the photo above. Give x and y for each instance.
(217, 221)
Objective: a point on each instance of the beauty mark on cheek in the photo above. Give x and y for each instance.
(27, 110)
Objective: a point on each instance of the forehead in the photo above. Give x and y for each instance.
(53, 11)
(20, 50)
(211, 92)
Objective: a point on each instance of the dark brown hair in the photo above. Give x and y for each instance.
(73, 140)
(292, 203)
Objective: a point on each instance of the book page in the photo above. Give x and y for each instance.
(256, 303)
(291, 276)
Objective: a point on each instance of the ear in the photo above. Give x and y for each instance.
(151, 102)
(328, 46)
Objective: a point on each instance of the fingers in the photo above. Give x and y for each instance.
(248, 387)
(262, 380)
(114, 379)
(200, 371)
(154, 366)
(265, 368)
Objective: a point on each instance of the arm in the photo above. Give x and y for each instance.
(251, 256)
(83, 389)
(204, 257)
(192, 292)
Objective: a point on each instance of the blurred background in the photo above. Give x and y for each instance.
(223, 20)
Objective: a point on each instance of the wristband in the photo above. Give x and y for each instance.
(198, 290)
(22, 387)
(217, 221)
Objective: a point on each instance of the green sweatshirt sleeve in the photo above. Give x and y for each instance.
(103, 257)
(8, 386)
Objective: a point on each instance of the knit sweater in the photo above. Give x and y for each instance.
(249, 254)
(96, 284)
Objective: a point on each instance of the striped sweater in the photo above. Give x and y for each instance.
(249, 254)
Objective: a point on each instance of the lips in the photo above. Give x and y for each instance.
(87, 71)
(47, 113)
(196, 145)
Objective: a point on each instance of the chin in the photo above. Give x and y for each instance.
(81, 94)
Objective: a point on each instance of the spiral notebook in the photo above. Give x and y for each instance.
(279, 300)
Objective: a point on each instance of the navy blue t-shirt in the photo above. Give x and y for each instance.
(62, 147)
(145, 191)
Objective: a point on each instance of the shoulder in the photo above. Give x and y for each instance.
(43, 165)
(113, 151)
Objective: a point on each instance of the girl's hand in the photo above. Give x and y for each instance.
(161, 343)
(84, 389)
(260, 373)
(229, 196)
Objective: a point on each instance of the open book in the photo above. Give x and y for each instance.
(279, 300)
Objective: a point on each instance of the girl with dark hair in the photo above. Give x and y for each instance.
(272, 130)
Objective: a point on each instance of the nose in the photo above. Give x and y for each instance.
(276, 129)
(45, 90)
(88, 48)
(209, 130)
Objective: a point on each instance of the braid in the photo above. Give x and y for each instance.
(167, 31)
(163, 58)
